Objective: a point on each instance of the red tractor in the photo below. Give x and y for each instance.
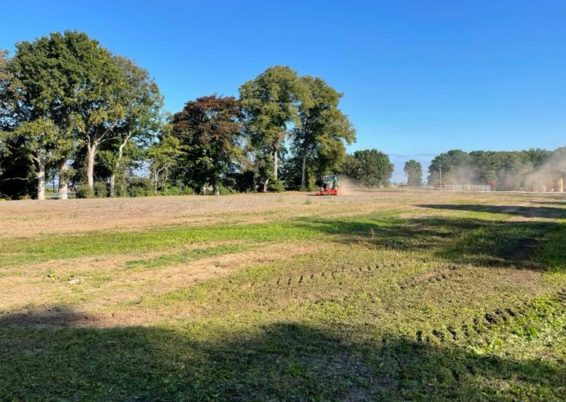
(329, 185)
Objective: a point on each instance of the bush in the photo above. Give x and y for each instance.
(178, 190)
(100, 189)
(277, 187)
(226, 190)
(140, 187)
(83, 191)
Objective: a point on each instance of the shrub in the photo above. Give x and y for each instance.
(277, 187)
(178, 190)
(100, 189)
(226, 190)
(83, 191)
(140, 187)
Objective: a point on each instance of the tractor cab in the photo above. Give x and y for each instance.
(329, 185)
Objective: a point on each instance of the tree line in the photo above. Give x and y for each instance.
(534, 169)
(75, 115)
(531, 169)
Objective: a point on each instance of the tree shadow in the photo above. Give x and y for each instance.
(553, 202)
(455, 239)
(527, 212)
(48, 316)
(281, 361)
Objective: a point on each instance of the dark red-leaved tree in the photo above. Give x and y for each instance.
(210, 131)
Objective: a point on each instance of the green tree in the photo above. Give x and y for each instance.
(537, 156)
(6, 101)
(17, 170)
(164, 157)
(38, 93)
(370, 167)
(101, 101)
(70, 97)
(210, 130)
(4, 73)
(452, 167)
(67, 83)
(141, 121)
(485, 166)
(270, 104)
(320, 141)
(414, 173)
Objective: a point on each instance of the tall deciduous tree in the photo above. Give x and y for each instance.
(17, 169)
(141, 102)
(271, 103)
(41, 141)
(451, 167)
(319, 142)
(41, 92)
(100, 103)
(4, 73)
(4, 113)
(164, 156)
(70, 81)
(370, 167)
(6, 101)
(210, 130)
(414, 172)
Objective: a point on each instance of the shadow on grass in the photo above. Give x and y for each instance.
(527, 212)
(460, 240)
(553, 202)
(277, 362)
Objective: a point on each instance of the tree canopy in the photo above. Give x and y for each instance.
(369, 167)
(209, 128)
(319, 142)
(503, 170)
(66, 96)
(414, 173)
(270, 105)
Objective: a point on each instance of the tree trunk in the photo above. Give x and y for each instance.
(304, 171)
(40, 178)
(275, 165)
(265, 183)
(63, 185)
(117, 167)
(113, 185)
(155, 180)
(90, 154)
(165, 178)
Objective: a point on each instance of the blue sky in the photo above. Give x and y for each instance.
(419, 77)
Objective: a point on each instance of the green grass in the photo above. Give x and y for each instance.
(46, 248)
(185, 256)
(457, 303)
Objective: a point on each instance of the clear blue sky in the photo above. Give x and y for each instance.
(419, 77)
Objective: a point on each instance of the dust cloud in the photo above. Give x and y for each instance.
(550, 176)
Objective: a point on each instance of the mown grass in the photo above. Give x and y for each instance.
(45, 248)
(457, 303)
(185, 256)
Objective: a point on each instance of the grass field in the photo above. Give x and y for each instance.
(369, 296)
